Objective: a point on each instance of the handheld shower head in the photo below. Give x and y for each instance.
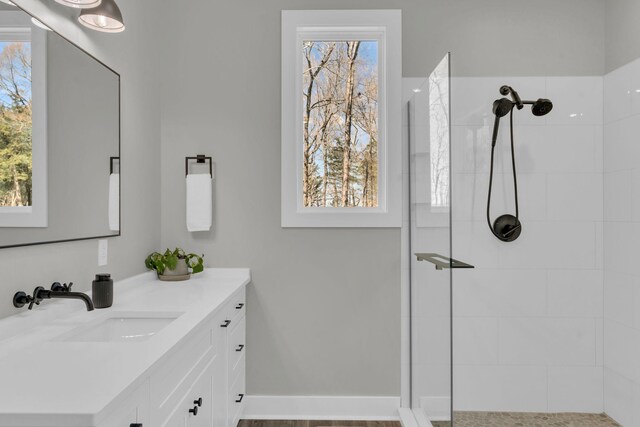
(501, 107)
(541, 107)
(506, 90)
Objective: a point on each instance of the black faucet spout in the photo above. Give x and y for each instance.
(74, 295)
(45, 294)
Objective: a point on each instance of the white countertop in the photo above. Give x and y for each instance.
(43, 380)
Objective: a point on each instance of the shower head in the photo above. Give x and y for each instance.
(541, 107)
(506, 90)
(501, 107)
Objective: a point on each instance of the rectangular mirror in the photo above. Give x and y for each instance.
(59, 137)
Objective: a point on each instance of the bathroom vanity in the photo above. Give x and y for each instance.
(165, 354)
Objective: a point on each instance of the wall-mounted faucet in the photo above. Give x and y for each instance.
(20, 299)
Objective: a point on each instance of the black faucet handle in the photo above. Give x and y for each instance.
(20, 299)
(35, 299)
(38, 294)
(57, 287)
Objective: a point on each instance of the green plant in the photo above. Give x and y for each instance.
(169, 259)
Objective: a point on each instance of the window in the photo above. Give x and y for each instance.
(341, 137)
(439, 136)
(22, 122)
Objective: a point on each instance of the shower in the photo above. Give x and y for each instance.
(508, 227)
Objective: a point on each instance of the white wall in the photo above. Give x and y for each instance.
(133, 54)
(621, 237)
(528, 319)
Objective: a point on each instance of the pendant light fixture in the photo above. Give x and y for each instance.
(106, 17)
(80, 4)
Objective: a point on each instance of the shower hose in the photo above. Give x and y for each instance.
(515, 180)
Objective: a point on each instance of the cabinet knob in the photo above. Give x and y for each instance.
(239, 306)
(194, 411)
(241, 397)
(198, 402)
(225, 324)
(240, 347)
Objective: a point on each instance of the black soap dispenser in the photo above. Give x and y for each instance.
(102, 291)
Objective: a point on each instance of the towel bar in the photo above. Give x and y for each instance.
(442, 261)
(200, 158)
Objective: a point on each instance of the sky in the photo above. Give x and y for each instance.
(4, 98)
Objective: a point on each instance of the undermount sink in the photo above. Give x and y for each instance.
(121, 327)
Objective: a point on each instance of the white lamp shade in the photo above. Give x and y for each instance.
(106, 17)
(80, 4)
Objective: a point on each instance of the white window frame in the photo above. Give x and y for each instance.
(18, 26)
(385, 27)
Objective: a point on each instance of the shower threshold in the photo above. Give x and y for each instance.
(521, 419)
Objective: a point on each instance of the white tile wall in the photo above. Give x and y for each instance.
(500, 387)
(574, 293)
(621, 157)
(575, 389)
(550, 322)
(528, 328)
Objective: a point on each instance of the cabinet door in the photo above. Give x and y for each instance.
(196, 407)
(201, 397)
(134, 410)
(177, 419)
(219, 383)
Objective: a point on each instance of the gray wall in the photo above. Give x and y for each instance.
(324, 307)
(133, 54)
(622, 33)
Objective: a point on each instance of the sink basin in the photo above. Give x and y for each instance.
(121, 328)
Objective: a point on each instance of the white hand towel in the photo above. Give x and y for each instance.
(199, 202)
(114, 202)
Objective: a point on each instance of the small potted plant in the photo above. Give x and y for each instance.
(174, 265)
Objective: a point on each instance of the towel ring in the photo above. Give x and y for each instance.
(200, 158)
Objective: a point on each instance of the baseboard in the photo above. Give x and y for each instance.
(321, 408)
(406, 418)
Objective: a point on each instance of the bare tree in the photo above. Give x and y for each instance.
(366, 118)
(340, 125)
(352, 54)
(311, 141)
(15, 125)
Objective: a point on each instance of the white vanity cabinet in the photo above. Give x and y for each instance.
(200, 384)
(235, 359)
(133, 412)
(174, 357)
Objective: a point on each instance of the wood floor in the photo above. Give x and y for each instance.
(290, 423)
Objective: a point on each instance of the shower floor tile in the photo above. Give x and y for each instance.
(518, 419)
